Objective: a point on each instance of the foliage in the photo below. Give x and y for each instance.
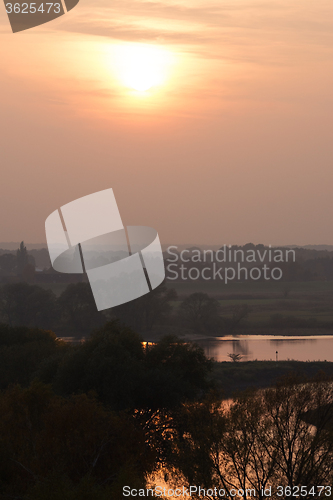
(78, 308)
(25, 262)
(144, 313)
(22, 350)
(261, 439)
(239, 313)
(126, 375)
(28, 305)
(8, 262)
(175, 372)
(200, 313)
(235, 357)
(56, 448)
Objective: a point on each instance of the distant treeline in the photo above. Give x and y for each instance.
(301, 264)
(40, 257)
(296, 264)
(74, 313)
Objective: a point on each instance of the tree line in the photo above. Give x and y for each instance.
(74, 312)
(309, 264)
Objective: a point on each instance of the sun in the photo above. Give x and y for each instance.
(142, 67)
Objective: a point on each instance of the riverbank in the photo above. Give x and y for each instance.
(189, 336)
(231, 378)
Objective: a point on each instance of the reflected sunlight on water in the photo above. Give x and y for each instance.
(265, 347)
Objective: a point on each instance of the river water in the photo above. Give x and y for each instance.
(265, 347)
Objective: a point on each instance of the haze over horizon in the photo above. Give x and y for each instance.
(232, 142)
(13, 245)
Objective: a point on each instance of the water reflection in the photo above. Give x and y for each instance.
(264, 347)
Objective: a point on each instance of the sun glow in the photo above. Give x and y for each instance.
(142, 67)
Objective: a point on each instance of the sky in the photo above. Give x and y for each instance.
(230, 144)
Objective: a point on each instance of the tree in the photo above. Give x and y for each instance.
(259, 441)
(239, 313)
(114, 363)
(29, 305)
(22, 351)
(235, 357)
(176, 371)
(110, 363)
(197, 430)
(144, 313)
(200, 313)
(301, 455)
(78, 308)
(8, 262)
(52, 447)
(22, 258)
(151, 384)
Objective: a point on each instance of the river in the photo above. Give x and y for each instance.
(265, 347)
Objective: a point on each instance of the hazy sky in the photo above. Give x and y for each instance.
(233, 142)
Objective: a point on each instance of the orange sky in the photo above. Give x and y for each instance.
(233, 145)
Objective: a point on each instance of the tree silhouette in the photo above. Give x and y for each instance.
(22, 258)
(144, 313)
(235, 357)
(28, 305)
(200, 313)
(260, 440)
(78, 308)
